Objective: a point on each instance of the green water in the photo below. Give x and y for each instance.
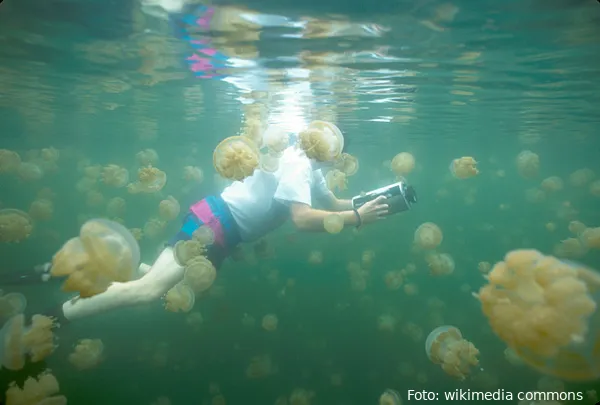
(101, 82)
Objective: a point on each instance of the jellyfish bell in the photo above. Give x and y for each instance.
(11, 304)
(185, 251)
(445, 346)
(236, 158)
(322, 141)
(104, 252)
(390, 397)
(276, 139)
(15, 226)
(180, 298)
(347, 164)
(333, 223)
(562, 297)
(200, 274)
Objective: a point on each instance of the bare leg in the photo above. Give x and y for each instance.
(163, 275)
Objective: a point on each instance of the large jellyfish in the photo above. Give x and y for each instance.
(36, 391)
(545, 310)
(104, 252)
(87, 354)
(446, 346)
(17, 340)
(15, 226)
(236, 158)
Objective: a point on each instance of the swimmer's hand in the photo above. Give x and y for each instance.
(373, 210)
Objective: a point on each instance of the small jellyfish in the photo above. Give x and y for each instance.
(269, 322)
(17, 341)
(116, 207)
(446, 346)
(204, 235)
(484, 267)
(180, 299)
(402, 164)
(390, 397)
(253, 130)
(336, 180)
(552, 184)
(512, 357)
(315, 257)
(464, 168)
(386, 323)
(200, 274)
(15, 226)
(595, 188)
(321, 141)
(154, 227)
(36, 391)
(581, 177)
(11, 304)
(115, 176)
(193, 174)
(260, 367)
(169, 208)
(428, 236)
(94, 199)
(104, 252)
(87, 354)
(185, 251)
(590, 238)
(347, 164)
(577, 227)
(147, 157)
(268, 163)
(41, 210)
(393, 280)
(236, 158)
(150, 180)
(9, 161)
(440, 264)
(528, 164)
(276, 139)
(28, 171)
(333, 223)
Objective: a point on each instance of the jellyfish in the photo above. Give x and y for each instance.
(41, 209)
(572, 248)
(576, 227)
(390, 397)
(484, 267)
(268, 163)
(428, 236)
(336, 180)
(333, 223)
(402, 164)
(116, 207)
(590, 238)
(260, 367)
(347, 164)
(16, 341)
(85, 184)
(236, 158)
(464, 167)
(180, 298)
(393, 280)
(440, 264)
(11, 304)
(366, 259)
(269, 322)
(253, 130)
(321, 141)
(194, 320)
(150, 180)
(169, 208)
(15, 226)
(193, 174)
(446, 346)
(154, 227)
(552, 184)
(87, 354)
(528, 164)
(386, 323)
(204, 235)
(545, 310)
(94, 198)
(115, 176)
(147, 157)
(200, 274)
(104, 252)
(595, 188)
(276, 139)
(185, 251)
(581, 177)
(9, 161)
(36, 391)
(315, 257)
(512, 357)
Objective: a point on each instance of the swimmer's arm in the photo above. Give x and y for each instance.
(308, 219)
(335, 204)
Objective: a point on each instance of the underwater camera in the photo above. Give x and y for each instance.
(399, 197)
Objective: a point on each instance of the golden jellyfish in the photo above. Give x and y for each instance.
(411, 289)
(336, 180)
(137, 233)
(552, 184)
(440, 264)
(276, 139)
(571, 248)
(595, 188)
(150, 180)
(236, 158)
(268, 163)
(321, 141)
(11, 304)
(36, 391)
(428, 236)
(393, 280)
(484, 267)
(270, 322)
(185, 251)
(204, 235)
(386, 323)
(9, 161)
(29, 171)
(253, 130)
(260, 367)
(590, 238)
(464, 167)
(49, 157)
(180, 299)
(581, 177)
(147, 157)
(92, 171)
(94, 199)
(300, 396)
(535, 195)
(87, 354)
(315, 257)
(200, 274)
(17, 341)
(347, 164)
(15, 226)
(85, 184)
(576, 227)
(116, 207)
(115, 176)
(446, 346)
(528, 164)
(545, 310)
(104, 252)
(390, 397)
(41, 209)
(333, 223)
(169, 208)
(154, 227)
(194, 320)
(367, 258)
(402, 164)
(193, 174)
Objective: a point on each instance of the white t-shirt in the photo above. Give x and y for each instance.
(260, 203)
